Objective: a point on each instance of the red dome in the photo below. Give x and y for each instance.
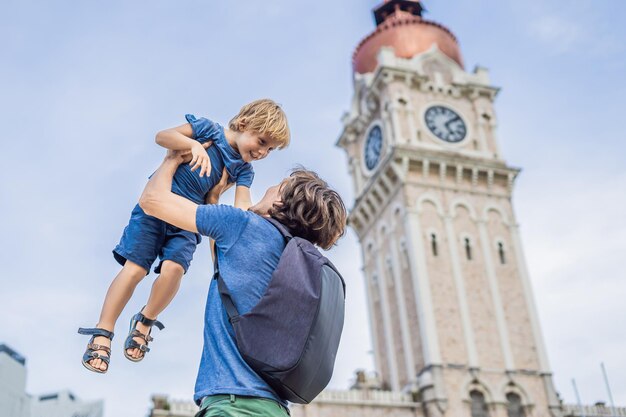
(409, 35)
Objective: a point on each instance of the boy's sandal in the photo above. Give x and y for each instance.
(130, 343)
(92, 348)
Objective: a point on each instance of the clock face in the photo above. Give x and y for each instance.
(373, 147)
(445, 123)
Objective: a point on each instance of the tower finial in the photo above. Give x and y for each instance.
(389, 7)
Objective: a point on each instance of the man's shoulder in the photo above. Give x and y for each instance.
(232, 213)
(259, 224)
(257, 220)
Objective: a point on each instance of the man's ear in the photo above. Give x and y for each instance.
(276, 205)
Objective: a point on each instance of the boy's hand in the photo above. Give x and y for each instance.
(200, 159)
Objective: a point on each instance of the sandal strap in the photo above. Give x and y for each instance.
(95, 346)
(146, 337)
(148, 322)
(90, 355)
(96, 331)
(131, 344)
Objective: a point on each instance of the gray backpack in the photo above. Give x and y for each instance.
(290, 338)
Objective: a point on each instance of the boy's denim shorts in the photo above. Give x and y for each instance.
(146, 238)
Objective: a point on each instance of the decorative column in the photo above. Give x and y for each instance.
(373, 322)
(403, 313)
(410, 116)
(461, 294)
(421, 284)
(395, 122)
(357, 175)
(388, 330)
(503, 333)
(480, 126)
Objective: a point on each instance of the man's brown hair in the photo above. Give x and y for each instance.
(264, 117)
(310, 209)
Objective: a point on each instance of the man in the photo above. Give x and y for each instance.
(248, 251)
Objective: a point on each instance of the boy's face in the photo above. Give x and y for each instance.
(253, 146)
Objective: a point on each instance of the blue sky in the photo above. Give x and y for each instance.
(86, 85)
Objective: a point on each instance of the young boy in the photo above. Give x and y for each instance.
(259, 128)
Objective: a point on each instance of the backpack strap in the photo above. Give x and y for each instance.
(227, 300)
(281, 228)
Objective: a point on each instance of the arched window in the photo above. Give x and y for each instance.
(514, 406)
(501, 253)
(479, 406)
(433, 243)
(468, 249)
(404, 257)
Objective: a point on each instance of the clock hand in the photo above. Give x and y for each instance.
(450, 121)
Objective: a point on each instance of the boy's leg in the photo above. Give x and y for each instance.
(120, 291)
(163, 291)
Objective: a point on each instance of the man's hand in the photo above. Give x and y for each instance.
(200, 159)
(178, 156)
(187, 156)
(219, 188)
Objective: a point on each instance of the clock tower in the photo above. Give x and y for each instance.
(451, 308)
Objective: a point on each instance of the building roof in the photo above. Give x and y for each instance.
(13, 354)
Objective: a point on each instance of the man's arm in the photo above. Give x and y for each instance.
(159, 201)
(181, 139)
(213, 197)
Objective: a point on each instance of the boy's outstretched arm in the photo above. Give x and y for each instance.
(243, 200)
(159, 201)
(181, 139)
(213, 197)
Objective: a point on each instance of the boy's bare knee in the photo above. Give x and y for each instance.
(135, 271)
(171, 268)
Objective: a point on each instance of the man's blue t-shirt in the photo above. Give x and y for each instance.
(248, 250)
(189, 184)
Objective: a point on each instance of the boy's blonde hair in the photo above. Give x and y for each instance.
(264, 117)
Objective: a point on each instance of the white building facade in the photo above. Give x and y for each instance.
(15, 402)
(65, 404)
(13, 399)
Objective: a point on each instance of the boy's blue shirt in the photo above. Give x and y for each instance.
(189, 184)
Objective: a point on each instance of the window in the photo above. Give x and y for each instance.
(514, 406)
(433, 243)
(501, 253)
(479, 406)
(468, 249)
